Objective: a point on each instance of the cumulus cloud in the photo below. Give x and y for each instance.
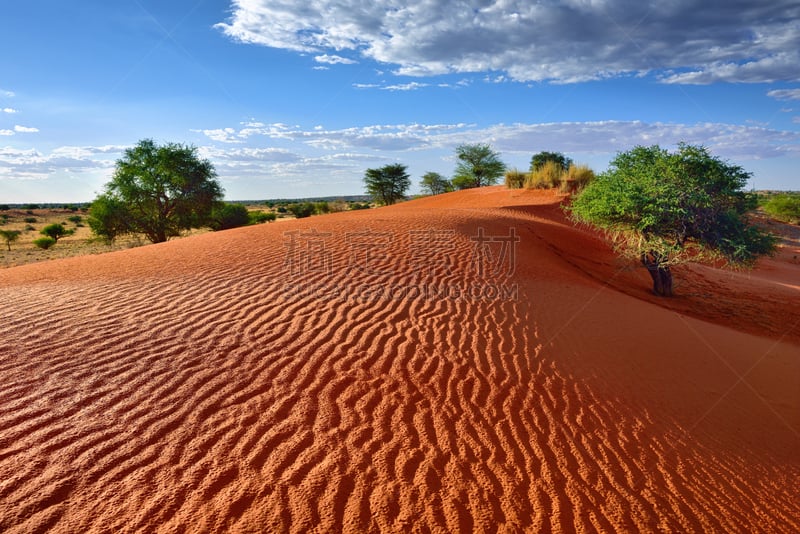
(31, 164)
(25, 129)
(560, 41)
(7, 133)
(8, 110)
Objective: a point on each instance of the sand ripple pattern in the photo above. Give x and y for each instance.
(203, 385)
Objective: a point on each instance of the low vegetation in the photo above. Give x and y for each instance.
(784, 207)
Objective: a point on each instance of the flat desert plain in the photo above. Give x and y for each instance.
(470, 362)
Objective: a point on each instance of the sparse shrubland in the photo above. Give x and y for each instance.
(784, 207)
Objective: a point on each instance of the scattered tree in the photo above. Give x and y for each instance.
(158, 191)
(56, 231)
(433, 183)
(668, 208)
(478, 165)
(109, 218)
(388, 184)
(258, 217)
(44, 242)
(9, 236)
(301, 210)
(538, 160)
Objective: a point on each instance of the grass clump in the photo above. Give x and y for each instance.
(546, 176)
(515, 179)
(576, 178)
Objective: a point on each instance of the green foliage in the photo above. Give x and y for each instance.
(515, 179)
(30, 207)
(109, 218)
(674, 207)
(56, 231)
(9, 236)
(30, 220)
(282, 209)
(478, 166)
(433, 183)
(225, 216)
(29, 228)
(388, 184)
(359, 206)
(159, 191)
(3, 219)
(577, 178)
(259, 217)
(784, 207)
(44, 242)
(302, 210)
(4, 207)
(76, 219)
(538, 160)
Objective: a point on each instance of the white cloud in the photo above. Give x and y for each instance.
(7, 133)
(7, 94)
(8, 110)
(25, 129)
(334, 60)
(560, 41)
(784, 94)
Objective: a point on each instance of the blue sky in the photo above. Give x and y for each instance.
(298, 99)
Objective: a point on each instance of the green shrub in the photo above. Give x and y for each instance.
(515, 179)
(31, 207)
(56, 231)
(9, 236)
(30, 220)
(44, 242)
(302, 209)
(785, 208)
(226, 216)
(359, 206)
(576, 178)
(547, 176)
(29, 228)
(4, 207)
(77, 219)
(259, 217)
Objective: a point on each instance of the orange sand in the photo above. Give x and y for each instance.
(211, 384)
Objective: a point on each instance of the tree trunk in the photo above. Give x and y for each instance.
(661, 275)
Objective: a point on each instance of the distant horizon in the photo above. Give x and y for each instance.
(294, 101)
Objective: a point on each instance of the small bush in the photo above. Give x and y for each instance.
(547, 176)
(785, 208)
(29, 228)
(259, 217)
(576, 178)
(515, 179)
(30, 220)
(359, 206)
(322, 207)
(302, 210)
(337, 206)
(282, 209)
(56, 231)
(44, 242)
(228, 216)
(76, 219)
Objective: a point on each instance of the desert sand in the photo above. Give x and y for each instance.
(470, 362)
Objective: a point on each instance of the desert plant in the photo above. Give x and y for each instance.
(337, 206)
(547, 176)
(433, 183)
(576, 178)
(784, 207)
(9, 236)
(478, 165)
(359, 206)
(387, 184)
(75, 219)
(542, 157)
(56, 231)
(158, 191)
(29, 228)
(301, 210)
(226, 216)
(4, 207)
(515, 179)
(30, 220)
(44, 242)
(667, 208)
(258, 217)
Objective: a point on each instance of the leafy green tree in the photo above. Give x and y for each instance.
(56, 231)
(668, 208)
(301, 210)
(785, 208)
(159, 191)
(226, 215)
(538, 160)
(9, 236)
(388, 184)
(478, 165)
(434, 183)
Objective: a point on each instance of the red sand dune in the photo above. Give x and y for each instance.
(358, 372)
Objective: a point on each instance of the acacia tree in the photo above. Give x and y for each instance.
(478, 165)
(9, 236)
(668, 208)
(157, 191)
(388, 184)
(434, 183)
(538, 160)
(56, 231)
